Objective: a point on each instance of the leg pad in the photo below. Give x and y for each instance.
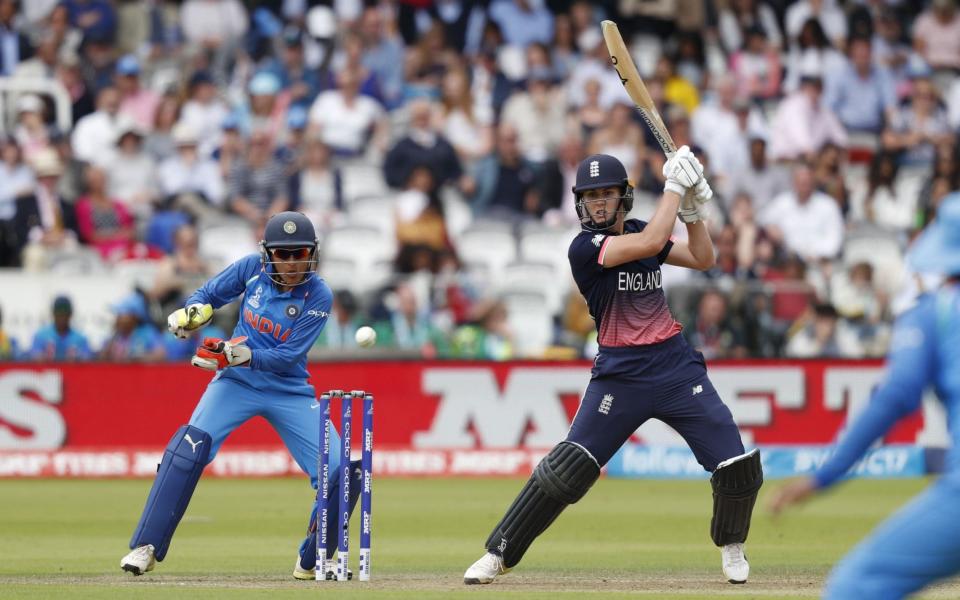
(736, 483)
(561, 478)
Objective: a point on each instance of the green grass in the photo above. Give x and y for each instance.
(239, 538)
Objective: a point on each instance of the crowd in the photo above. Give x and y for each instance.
(829, 131)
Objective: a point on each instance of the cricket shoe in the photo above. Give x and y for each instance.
(486, 569)
(735, 565)
(310, 574)
(139, 560)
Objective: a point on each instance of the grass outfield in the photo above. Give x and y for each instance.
(64, 538)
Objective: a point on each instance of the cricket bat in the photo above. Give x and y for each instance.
(630, 78)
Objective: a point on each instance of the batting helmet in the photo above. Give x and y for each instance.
(602, 171)
(289, 231)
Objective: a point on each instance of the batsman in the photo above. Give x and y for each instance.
(644, 368)
(261, 371)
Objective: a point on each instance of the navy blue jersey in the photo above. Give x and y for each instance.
(627, 301)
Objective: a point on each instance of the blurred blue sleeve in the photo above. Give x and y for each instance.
(911, 365)
(305, 332)
(228, 284)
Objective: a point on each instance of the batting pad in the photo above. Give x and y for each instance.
(736, 483)
(177, 476)
(562, 477)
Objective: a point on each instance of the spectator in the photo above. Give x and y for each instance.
(741, 17)
(466, 123)
(408, 323)
(676, 89)
(812, 55)
(44, 62)
(16, 45)
(621, 137)
(419, 221)
(316, 189)
(69, 75)
(756, 67)
(190, 173)
(68, 38)
(712, 333)
(861, 93)
(807, 221)
(822, 335)
(890, 51)
(59, 341)
(855, 296)
(8, 346)
(505, 182)
(104, 223)
(828, 175)
(351, 57)
(827, 15)
(487, 336)
(95, 18)
(383, 54)
(936, 35)
(732, 263)
(536, 115)
(267, 107)
(423, 146)
(919, 125)
(256, 186)
(290, 150)
(557, 179)
(31, 131)
(348, 122)
(953, 105)
(760, 178)
(300, 82)
(204, 111)
(879, 201)
(159, 142)
(133, 339)
(721, 128)
(181, 273)
(136, 102)
(802, 124)
(944, 179)
(95, 134)
(16, 178)
(132, 173)
(232, 145)
(213, 24)
(792, 293)
(45, 221)
(342, 324)
(522, 22)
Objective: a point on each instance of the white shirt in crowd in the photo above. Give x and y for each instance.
(801, 127)
(94, 137)
(812, 229)
(224, 20)
(831, 18)
(133, 181)
(178, 176)
(206, 120)
(341, 126)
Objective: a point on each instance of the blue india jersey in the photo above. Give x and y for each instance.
(924, 353)
(280, 327)
(50, 345)
(627, 301)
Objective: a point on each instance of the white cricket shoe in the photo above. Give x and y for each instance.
(310, 574)
(485, 570)
(735, 565)
(139, 560)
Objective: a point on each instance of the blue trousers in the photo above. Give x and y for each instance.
(228, 403)
(666, 381)
(918, 545)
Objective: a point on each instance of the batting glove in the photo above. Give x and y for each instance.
(682, 171)
(689, 211)
(185, 320)
(217, 354)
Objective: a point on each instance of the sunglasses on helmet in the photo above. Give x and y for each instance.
(291, 253)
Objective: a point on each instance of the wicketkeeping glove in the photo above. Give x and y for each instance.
(682, 171)
(184, 320)
(217, 354)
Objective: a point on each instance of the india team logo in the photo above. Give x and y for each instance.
(290, 227)
(594, 168)
(292, 311)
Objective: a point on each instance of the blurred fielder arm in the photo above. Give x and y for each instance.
(910, 369)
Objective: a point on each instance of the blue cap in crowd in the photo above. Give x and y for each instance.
(297, 117)
(132, 305)
(264, 84)
(231, 122)
(128, 65)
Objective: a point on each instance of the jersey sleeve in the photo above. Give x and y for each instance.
(586, 255)
(663, 254)
(910, 369)
(226, 285)
(305, 332)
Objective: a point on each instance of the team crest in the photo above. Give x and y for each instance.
(594, 168)
(598, 239)
(290, 227)
(293, 311)
(605, 403)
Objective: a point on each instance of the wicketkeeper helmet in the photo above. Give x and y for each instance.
(289, 230)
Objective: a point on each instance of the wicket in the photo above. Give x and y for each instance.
(323, 495)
